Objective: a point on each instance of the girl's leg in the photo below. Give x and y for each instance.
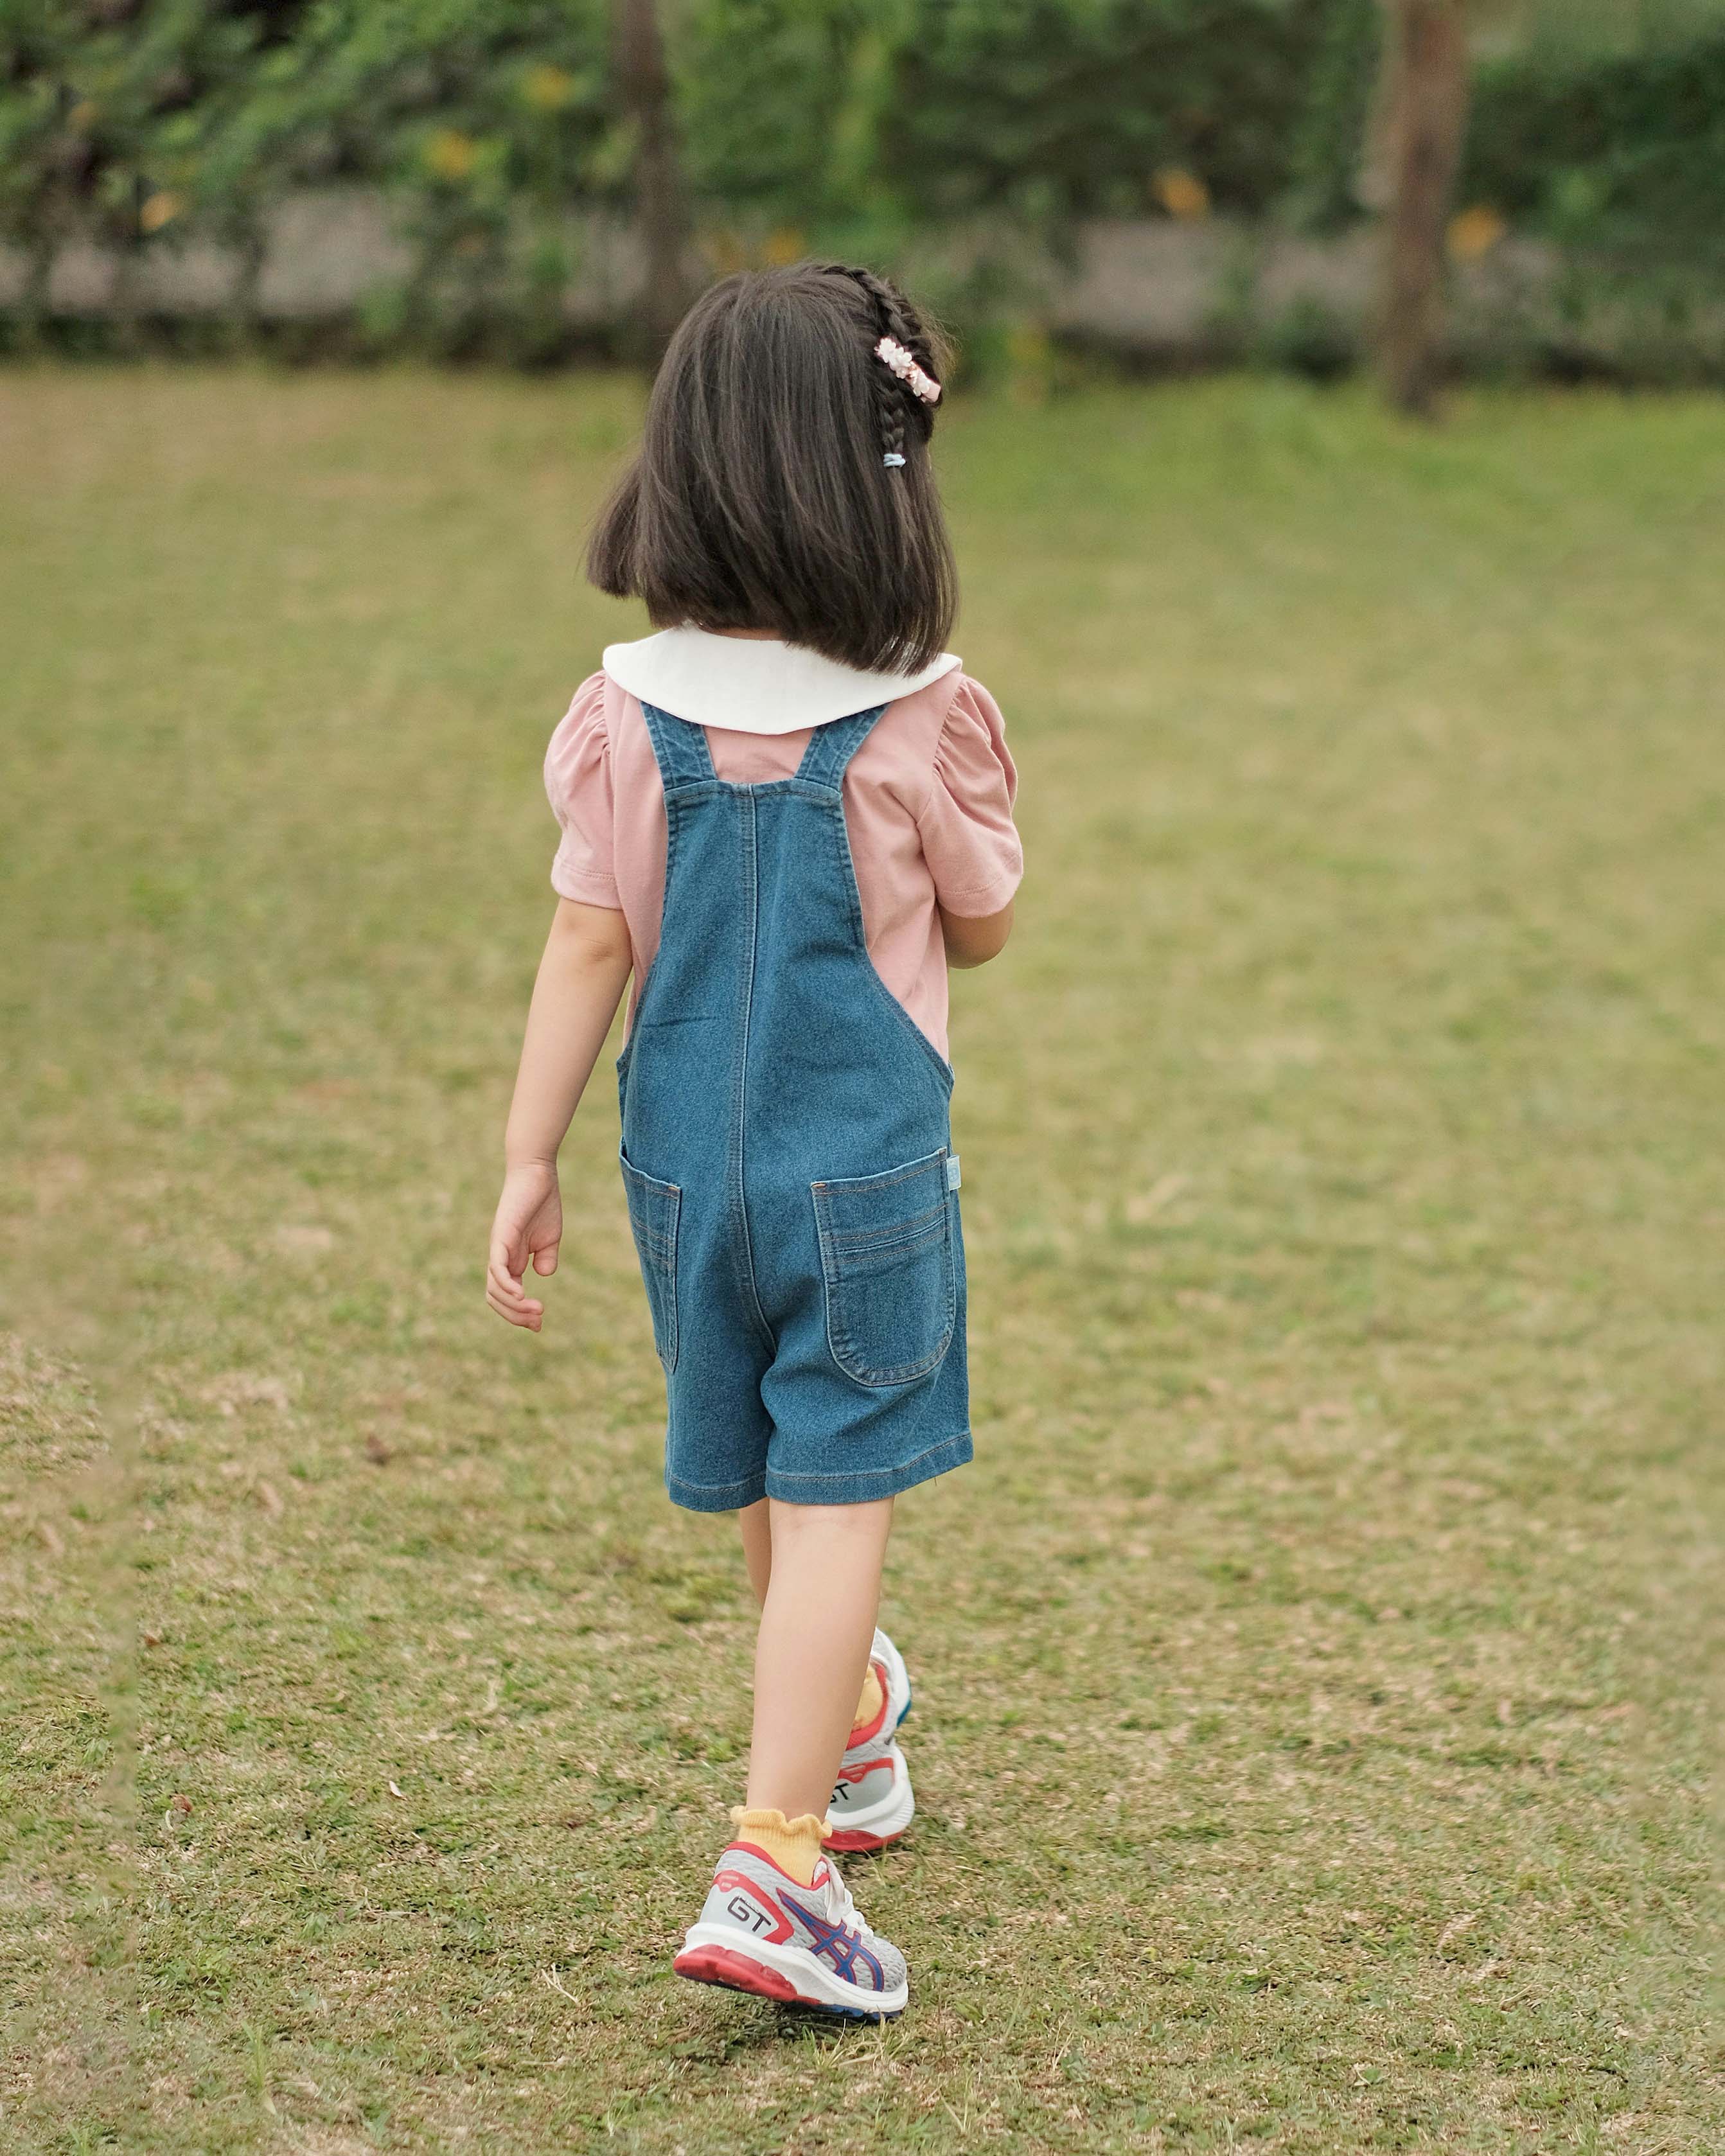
(756, 1523)
(757, 1527)
(823, 1591)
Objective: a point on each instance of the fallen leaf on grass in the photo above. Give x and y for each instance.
(1145, 1204)
(376, 1451)
(245, 1388)
(182, 1804)
(395, 1791)
(303, 1240)
(554, 1982)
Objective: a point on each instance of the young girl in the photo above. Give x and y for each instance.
(785, 815)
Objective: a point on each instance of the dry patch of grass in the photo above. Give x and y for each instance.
(1309, 1726)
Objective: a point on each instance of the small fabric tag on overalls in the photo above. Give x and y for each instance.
(954, 1178)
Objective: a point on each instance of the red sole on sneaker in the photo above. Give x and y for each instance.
(849, 1842)
(735, 1971)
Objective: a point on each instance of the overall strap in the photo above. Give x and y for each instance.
(833, 746)
(680, 747)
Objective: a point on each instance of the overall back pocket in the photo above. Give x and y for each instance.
(891, 1283)
(654, 1208)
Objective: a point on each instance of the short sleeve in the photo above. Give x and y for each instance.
(578, 782)
(968, 840)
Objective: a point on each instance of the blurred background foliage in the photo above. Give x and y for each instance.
(879, 126)
(933, 109)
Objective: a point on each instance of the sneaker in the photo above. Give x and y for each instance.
(759, 1931)
(872, 1803)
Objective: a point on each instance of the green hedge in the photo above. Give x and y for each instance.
(864, 122)
(1626, 155)
(940, 108)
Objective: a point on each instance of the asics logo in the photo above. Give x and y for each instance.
(839, 1944)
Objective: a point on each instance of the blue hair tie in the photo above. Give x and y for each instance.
(892, 457)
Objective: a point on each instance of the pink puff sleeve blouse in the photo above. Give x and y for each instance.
(928, 802)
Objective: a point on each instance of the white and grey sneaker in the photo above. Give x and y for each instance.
(872, 1802)
(760, 1930)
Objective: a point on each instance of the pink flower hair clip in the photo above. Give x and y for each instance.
(892, 353)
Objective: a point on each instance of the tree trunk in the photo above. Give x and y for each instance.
(1422, 117)
(645, 88)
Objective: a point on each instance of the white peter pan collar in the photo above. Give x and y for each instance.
(749, 685)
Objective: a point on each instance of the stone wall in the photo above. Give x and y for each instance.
(1157, 290)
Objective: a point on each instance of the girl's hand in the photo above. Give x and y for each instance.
(580, 983)
(529, 1225)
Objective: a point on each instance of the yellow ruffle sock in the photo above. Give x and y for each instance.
(873, 1698)
(794, 1844)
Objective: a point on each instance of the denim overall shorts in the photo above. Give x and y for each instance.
(787, 1156)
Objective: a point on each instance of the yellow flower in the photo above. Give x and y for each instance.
(451, 155)
(1030, 356)
(547, 88)
(1181, 194)
(1475, 232)
(160, 209)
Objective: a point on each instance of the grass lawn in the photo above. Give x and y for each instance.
(1312, 1669)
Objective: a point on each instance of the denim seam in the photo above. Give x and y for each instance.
(853, 895)
(695, 768)
(825, 764)
(728, 1494)
(853, 1248)
(658, 1250)
(888, 1177)
(745, 1249)
(895, 1475)
(646, 986)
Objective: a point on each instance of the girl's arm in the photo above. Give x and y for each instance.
(975, 943)
(575, 998)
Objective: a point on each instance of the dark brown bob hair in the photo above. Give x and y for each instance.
(760, 498)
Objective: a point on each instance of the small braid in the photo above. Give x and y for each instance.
(895, 317)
